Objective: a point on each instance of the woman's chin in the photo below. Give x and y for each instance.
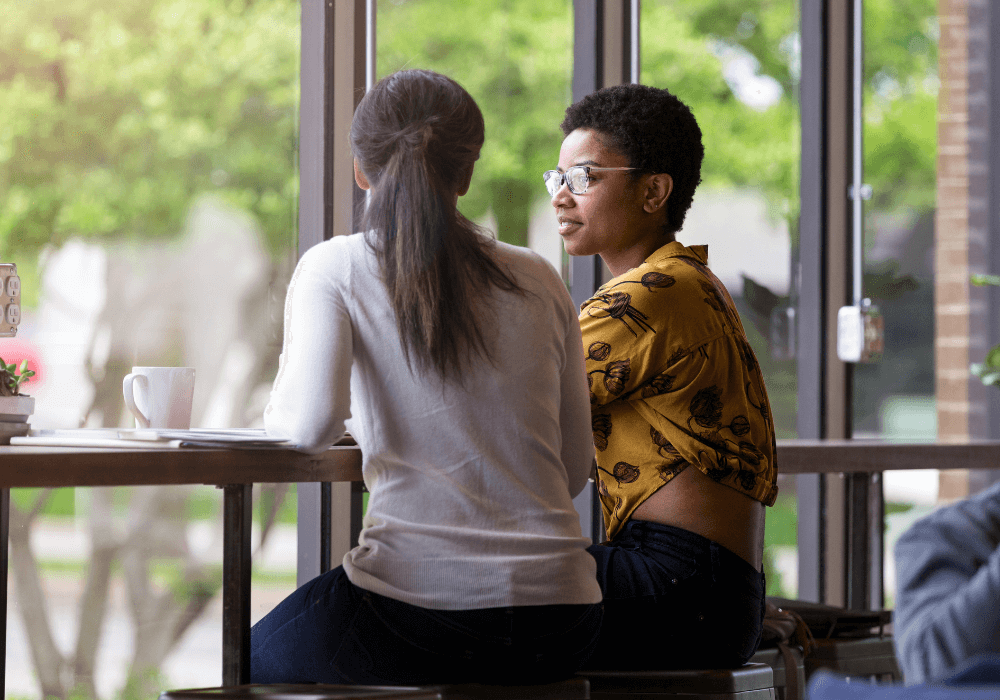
(576, 248)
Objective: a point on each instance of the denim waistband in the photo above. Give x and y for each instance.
(678, 541)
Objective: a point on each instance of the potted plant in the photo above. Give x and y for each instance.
(15, 407)
(988, 370)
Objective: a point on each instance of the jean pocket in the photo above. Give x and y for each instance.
(672, 567)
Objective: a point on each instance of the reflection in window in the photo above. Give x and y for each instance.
(148, 195)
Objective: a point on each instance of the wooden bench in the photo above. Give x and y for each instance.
(753, 681)
(867, 657)
(785, 687)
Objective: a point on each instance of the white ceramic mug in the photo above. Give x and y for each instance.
(160, 397)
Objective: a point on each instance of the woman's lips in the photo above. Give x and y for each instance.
(567, 226)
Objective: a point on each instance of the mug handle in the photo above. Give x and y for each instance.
(141, 419)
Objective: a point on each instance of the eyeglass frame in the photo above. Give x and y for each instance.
(564, 178)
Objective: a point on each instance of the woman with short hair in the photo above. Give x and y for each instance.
(458, 363)
(680, 415)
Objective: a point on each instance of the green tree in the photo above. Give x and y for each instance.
(900, 102)
(685, 47)
(116, 115)
(114, 118)
(515, 58)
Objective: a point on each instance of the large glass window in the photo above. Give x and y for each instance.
(148, 195)
(737, 67)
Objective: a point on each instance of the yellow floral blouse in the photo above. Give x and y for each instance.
(673, 382)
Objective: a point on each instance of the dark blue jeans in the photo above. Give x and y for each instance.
(331, 631)
(674, 599)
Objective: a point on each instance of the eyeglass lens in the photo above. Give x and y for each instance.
(576, 177)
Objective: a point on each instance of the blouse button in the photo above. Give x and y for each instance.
(673, 581)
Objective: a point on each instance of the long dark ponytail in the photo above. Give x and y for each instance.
(416, 136)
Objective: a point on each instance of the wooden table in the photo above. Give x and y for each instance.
(872, 456)
(235, 471)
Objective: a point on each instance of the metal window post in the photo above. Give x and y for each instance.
(839, 516)
(605, 52)
(337, 66)
(824, 227)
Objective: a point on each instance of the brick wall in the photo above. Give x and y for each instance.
(952, 302)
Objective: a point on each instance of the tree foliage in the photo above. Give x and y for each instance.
(900, 101)
(116, 115)
(687, 48)
(515, 58)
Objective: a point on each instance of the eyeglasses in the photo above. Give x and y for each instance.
(576, 178)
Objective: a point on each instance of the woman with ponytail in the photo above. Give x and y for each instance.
(456, 363)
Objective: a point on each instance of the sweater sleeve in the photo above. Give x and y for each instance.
(948, 599)
(577, 437)
(311, 396)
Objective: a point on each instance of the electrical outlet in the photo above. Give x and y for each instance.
(860, 333)
(10, 300)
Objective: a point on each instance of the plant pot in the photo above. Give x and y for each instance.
(16, 409)
(14, 412)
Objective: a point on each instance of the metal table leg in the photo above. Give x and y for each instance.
(237, 513)
(325, 526)
(4, 540)
(357, 511)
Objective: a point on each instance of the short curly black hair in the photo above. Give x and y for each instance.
(653, 129)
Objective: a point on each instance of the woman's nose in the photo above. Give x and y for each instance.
(563, 197)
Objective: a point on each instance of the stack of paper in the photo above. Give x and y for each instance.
(254, 438)
(246, 438)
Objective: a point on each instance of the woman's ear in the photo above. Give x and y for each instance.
(359, 177)
(658, 189)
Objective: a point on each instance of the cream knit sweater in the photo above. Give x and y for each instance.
(471, 488)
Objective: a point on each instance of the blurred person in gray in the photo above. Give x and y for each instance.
(948, 588)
